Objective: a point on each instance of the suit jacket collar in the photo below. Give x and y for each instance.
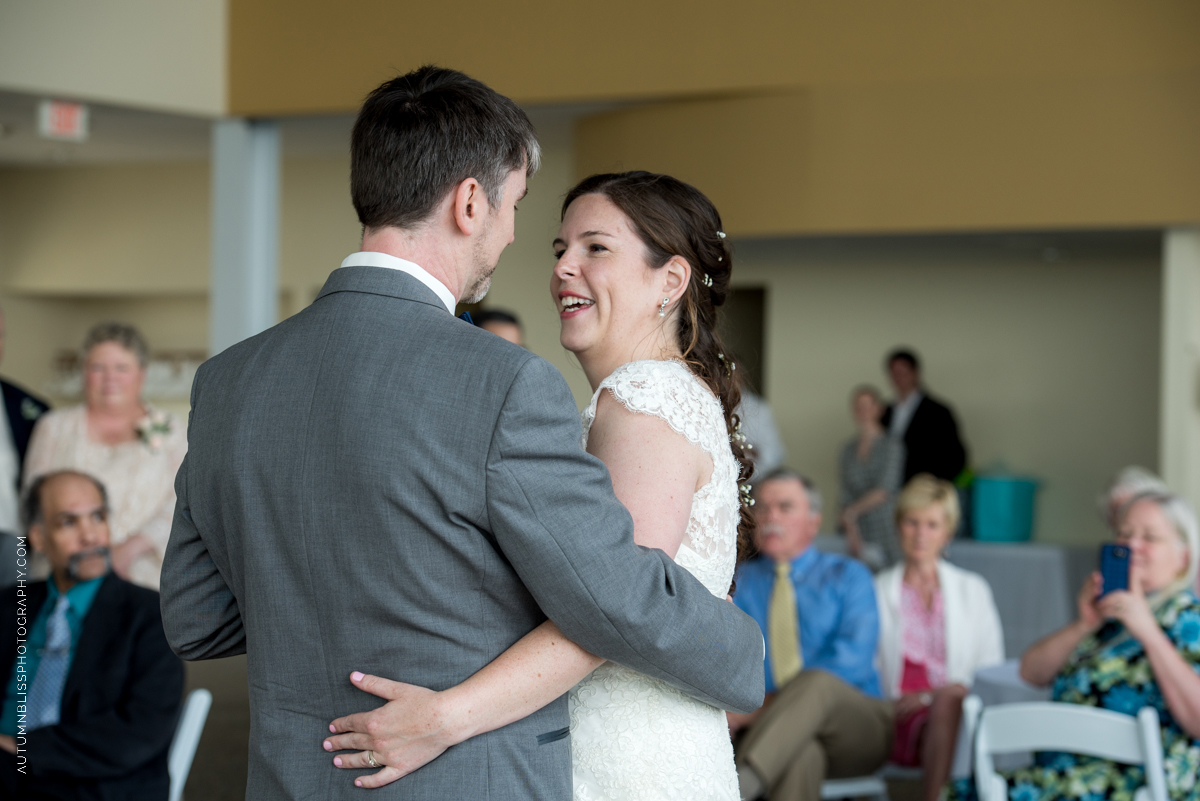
(98, 628)
(380, 281)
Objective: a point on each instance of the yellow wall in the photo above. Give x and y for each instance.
(306, 56)
(956, 156)
(168, 56)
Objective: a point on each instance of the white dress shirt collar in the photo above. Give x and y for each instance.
(371, 258)
(903, 411)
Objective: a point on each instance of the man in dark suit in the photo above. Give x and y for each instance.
(20, 410)
(92, 688)
(927, 426)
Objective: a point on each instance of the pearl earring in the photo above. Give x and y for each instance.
(662, 309)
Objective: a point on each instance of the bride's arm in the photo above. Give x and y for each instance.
(655, 472)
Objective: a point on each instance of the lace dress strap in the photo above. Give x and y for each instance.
(669, 391)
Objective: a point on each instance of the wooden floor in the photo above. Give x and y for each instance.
(219, 771)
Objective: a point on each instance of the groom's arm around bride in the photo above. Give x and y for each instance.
(375, 485)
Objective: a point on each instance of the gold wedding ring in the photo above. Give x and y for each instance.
(372, 761)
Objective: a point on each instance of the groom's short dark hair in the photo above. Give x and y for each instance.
(419, 135)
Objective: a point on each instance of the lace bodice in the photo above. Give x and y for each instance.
(632, 736)
(669, 391)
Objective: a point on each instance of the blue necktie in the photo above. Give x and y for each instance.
(466, 316)
(45, 696)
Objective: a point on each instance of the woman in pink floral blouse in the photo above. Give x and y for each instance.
(133, 448)
(938, 624)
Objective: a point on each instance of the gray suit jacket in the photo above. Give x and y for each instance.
(375, 485)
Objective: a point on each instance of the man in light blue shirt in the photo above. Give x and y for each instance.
(823, 716)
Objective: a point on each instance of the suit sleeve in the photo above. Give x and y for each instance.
(952, 456)
(112, 742)
(552, 510)
(199, 611)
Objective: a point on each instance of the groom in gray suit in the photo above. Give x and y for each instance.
(375, 485)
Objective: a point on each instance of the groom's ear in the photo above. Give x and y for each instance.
(675, 276)
(470, 206)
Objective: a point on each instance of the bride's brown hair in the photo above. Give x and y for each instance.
(676, 219)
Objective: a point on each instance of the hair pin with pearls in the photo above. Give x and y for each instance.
(706, 280)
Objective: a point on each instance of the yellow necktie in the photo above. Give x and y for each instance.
(783, 628)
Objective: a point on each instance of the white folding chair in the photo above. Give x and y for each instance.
(857, 787)
(187, 737)
(873, 786)
(1073, 729)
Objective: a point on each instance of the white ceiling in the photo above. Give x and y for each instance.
(121, 134)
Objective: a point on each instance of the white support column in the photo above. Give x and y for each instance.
(244, 290)
(1179, 438)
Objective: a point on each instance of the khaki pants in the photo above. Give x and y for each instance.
(817, 727)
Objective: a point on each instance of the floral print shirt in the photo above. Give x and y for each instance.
(1111, 671)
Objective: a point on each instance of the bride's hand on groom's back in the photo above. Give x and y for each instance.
(409, 731)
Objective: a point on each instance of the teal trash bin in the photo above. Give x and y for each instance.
(1002, 508)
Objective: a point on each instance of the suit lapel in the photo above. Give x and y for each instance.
(98, 630)
(17, 424)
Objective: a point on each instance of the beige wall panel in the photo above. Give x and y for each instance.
(305, 56)
(317, 225)
(1051, 367)
(168, 56)
(998, 155)
(124, 229)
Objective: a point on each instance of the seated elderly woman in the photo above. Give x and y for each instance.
(938, 624)
(114, 435)
(1128, 649)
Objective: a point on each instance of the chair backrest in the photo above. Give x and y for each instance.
(1071, 728)
(187, 737)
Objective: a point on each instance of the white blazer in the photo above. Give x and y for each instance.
(974, 638)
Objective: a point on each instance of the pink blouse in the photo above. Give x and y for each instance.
(924, 633)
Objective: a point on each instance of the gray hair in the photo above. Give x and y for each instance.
(1183, 519)
(788, 474)
(121, 334)
(31, 505)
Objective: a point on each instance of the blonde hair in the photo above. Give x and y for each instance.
(924, 491)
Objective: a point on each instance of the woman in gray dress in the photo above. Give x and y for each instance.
(872, 467)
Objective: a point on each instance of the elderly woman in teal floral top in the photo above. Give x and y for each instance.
(1127, 650)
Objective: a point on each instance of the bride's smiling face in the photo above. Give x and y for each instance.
(606, 291)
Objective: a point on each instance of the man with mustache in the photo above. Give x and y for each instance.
(823, 716)
(92, 688)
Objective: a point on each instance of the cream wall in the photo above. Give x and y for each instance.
(131, 241)
(167, 56)
(1052, 367)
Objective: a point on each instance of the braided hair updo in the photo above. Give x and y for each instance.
(676, 219)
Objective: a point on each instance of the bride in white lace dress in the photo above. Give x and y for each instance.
(641, 266)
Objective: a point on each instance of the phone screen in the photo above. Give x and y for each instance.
(1114, 567)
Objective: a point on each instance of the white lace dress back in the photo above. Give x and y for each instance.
(633, 736)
